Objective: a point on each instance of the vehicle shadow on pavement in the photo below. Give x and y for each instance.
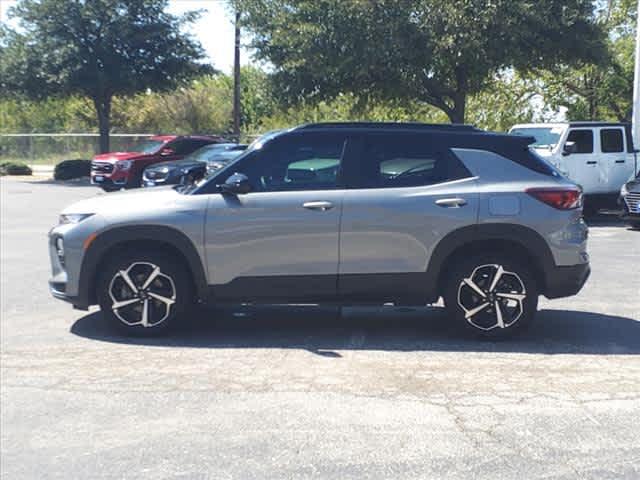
(327, 330)
(76, 182)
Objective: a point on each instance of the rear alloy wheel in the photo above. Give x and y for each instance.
(492, 297)
(143, 296)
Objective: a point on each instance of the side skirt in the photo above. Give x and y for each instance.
(352, 289)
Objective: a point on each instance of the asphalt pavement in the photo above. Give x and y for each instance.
(308, 392)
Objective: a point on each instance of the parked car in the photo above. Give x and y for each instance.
(630, 201)
(599, 156)
(192, 167)
(117, 170)
(355, 213)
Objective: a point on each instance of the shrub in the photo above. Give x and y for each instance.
(14, 168)
(70, 169)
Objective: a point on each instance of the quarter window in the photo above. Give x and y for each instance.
(611, 140)
(583, 140)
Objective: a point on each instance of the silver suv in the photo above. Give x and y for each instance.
(354, 213)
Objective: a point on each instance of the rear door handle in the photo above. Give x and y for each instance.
(451, 202)
(322, 206)
(592, 162)
(619, 161)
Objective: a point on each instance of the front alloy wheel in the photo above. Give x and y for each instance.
(143, 294)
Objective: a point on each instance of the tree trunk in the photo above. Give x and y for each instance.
(459, 96)
(103, 110)
(457, 113)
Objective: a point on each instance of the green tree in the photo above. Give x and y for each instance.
(97, 49)
(601, 91)
(428, 50)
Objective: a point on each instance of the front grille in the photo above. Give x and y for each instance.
(155, 175)
(101, 167)
(633, 202)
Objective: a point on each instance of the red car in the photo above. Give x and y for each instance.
(116, 170)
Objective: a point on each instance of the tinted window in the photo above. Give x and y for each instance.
(583, 140)
(611, 140)
(147, 146)
(307, 162)
(186, 146)
(404, 161)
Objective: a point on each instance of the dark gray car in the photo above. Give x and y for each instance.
(193, 167)
(630, 201)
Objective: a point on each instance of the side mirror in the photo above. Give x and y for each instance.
(569, 148)
(165, 152)
(236, 184)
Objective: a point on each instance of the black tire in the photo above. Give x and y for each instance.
(171, 283)
(135, 182)
(110, 188)
(516, 280)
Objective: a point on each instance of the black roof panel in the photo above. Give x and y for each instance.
(389, 126)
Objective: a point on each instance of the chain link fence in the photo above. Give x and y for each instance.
(52, 148)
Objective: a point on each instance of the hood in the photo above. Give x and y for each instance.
(633, 186)
(126, 200)
(544, 152)
(115, 156)
(176, 164)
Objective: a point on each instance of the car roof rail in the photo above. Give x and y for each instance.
(390, 126)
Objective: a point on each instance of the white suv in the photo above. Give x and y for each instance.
(598, 156)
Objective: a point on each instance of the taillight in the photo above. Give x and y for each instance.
(560, 198)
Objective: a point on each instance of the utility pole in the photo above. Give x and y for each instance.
(236, 81)
(635, 122)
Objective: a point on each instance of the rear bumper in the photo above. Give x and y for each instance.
(566, 281)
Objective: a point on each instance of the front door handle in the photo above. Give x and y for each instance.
(620, 161)
(451, 202)
(322, 206)
(591, 162)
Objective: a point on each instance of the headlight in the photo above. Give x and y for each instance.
(123, 164)
(623, 190)
(73, 217)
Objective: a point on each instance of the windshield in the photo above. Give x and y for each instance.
(545, 136)
(205, 153)
(147, 146)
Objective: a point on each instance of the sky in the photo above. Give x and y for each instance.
(214, 30)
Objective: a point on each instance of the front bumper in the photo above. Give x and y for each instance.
(565, 281)
(77, 302)
(108, 182)
(158, 182)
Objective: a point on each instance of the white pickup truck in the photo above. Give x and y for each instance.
(599, 156)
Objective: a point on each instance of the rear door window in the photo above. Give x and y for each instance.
(611, 140)
(583, 140)
(391, 161)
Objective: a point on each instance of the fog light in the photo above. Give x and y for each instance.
(60, 249)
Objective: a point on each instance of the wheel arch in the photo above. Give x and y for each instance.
(112, 241)
(522, 242)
